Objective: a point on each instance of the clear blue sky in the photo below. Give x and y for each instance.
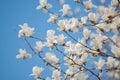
(13, 13)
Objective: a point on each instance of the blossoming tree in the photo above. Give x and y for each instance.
(89, 44)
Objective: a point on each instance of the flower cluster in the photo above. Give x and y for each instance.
(66, 10)
(25, 30)
(82, 44)
(37, 71)
(44, 5)
(23, 54)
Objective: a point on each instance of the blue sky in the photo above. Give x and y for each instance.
(13, 13)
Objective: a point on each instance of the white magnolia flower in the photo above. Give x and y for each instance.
(69, 62)
(81, 76)
(114, 74)
(53, 18)
(50, 57)
(84, 57)
(116, 20)
(25, 30)
(115, 38)
(44, 5)
(50, 33)
(97, 41)
(37, 71)
(108, 13)
(101, 9)
(60, 39)
(66, 10)
(51, 38)
(84, 20)
(75, 24)
(110, 62)
(70, 49)
(115, 2)
(88, 4)
(96, 44)
(100, 63)
(39, 46)
(62, 25)
(114, 29)
(93, 17)
(56, 75)
(23, 54)
(78, 49)
(82, 41)
(69, 71)
(115, 50)
(86, 33)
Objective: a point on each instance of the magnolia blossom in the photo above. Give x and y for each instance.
(86, 33)
(115, 2)
(53, 18)
(69, 71)
(93, 17)
(51, 38)
(84, 20)
(60, 39)
(62, 25)
(37, 71)
(97, 41)
(69, 25)
(108, 13)
(25, 30)
(114, 74)
(44, 5)
(66, 10)
(78, 49)
(23, 54)
(69, 62)
(115, 50)
(100, 64)
(96, 44)
(39, 46)
(84, 57)
(81, 76)
(56, 75)
(103, 26)
(88, 4)
(52, 57)
(75, 24)
(110, 62)
(116, 21)
(70, 48)
(115, 38)
(114, 29)
(82, 41)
